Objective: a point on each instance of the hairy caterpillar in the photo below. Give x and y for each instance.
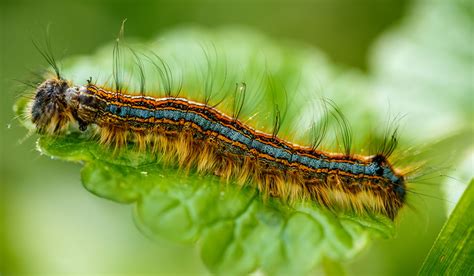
(199, 135)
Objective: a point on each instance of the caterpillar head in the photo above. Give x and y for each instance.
(51, 110)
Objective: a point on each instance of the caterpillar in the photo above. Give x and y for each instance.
(198, 135)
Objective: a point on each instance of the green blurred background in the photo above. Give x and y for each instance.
(51, 224)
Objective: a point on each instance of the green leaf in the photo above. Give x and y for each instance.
(453, 251)
(237, 230)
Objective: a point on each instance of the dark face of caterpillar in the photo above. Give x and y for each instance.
(51, 110)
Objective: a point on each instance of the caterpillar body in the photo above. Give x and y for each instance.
(197, 135)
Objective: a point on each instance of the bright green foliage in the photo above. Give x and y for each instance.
(453, 251)
(237, 231)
